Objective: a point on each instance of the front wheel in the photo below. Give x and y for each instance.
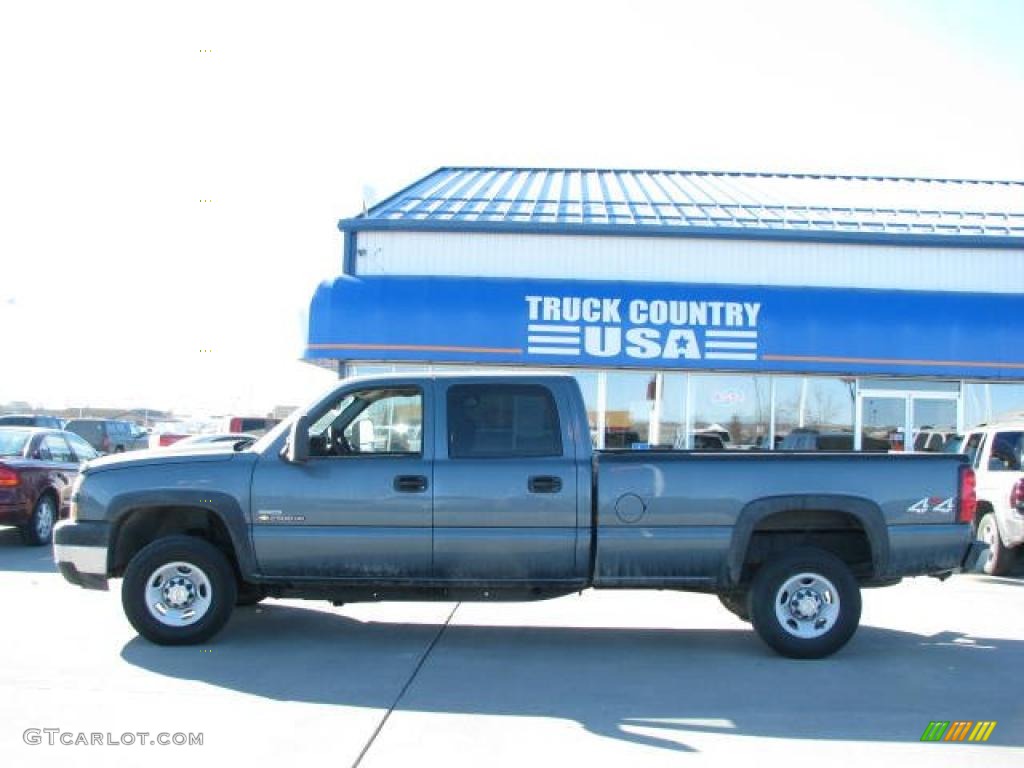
(1000, 557)
(178, 590)
(805, 604)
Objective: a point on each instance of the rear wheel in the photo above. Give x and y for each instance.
(1000, 557)
(38, 531)
(805, 603)
(737, 603)
(178, 590)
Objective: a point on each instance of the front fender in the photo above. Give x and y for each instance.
(224, 506)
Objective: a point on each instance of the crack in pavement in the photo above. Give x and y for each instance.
(408, 684)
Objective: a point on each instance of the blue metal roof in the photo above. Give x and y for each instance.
(706, 203)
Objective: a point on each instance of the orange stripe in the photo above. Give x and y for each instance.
(958, 731)
(420, 348)
(890, 361)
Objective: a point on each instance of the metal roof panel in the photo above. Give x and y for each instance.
(692, 202)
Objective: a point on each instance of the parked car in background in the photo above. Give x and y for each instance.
(995, 453)
(253, 425)
(31, 420)
(932, 440)
(702, 441)
(37, 468)
(802, 439)
(222, 439)
(955, 444)
(163, 439)
(110, 435)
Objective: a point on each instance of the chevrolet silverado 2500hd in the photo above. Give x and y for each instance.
(458, 487)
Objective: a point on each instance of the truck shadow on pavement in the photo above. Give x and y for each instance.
(646, 686)
(15, 556)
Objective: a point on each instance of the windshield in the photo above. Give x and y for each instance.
(12, 442)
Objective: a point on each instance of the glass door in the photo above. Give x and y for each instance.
(934, 422)
(917, 416)
(883, 423)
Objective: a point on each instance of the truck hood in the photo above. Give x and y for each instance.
(159, 456)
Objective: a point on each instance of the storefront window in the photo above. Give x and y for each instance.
(735, 408)
(588, 386)
(629, 402)
(812, 409)
(673, 411)
(986, 403)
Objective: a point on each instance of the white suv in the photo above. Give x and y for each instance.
(995, 451)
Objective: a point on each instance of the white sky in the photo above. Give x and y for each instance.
(114, 277)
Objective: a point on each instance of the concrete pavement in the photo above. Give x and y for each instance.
(638, 678)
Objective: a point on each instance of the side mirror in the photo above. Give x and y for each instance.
(296, 449)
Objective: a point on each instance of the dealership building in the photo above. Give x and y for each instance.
(685, 302)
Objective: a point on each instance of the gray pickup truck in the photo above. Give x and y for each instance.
(459, 487)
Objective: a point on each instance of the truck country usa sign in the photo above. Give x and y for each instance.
(642, 329)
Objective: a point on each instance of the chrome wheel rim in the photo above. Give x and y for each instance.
(807, 605)
(178, 594)
(44, 519)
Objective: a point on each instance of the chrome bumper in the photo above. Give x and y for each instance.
(80, 551)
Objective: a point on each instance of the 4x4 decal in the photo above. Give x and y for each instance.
(932, 504)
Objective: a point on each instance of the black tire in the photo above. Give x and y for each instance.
(249, 594)
(737, 603)
(38, 531)
(1000, 557)
(822, 583)
(212, 581)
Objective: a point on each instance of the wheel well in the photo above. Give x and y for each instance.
(143, 526)
(984, 507)
(840, 533)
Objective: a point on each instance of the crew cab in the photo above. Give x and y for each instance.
(995, 452)
(460, 487)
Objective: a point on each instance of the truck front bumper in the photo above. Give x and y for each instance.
(80, 551)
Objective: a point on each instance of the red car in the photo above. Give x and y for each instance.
(37, 468)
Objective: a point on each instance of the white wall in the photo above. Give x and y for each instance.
(691, 260)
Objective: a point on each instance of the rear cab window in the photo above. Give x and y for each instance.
(502, 421)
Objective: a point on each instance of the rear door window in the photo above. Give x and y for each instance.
(58, 449)
(83, 451)
(502, 421)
